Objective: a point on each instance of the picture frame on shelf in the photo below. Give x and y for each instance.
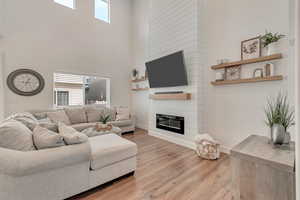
(251, 48)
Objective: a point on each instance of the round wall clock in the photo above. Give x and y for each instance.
(25, 82)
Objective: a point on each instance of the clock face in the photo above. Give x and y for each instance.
(25, 82)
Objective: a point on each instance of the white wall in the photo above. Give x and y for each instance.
(234, 112)
(173, 26)
(1, 63)
(140, 100)
(297, 90)
(48, 37)
(229, 113)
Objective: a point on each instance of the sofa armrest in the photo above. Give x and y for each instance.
(18, 163)
(133, 118)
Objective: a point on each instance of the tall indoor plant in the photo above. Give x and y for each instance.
(279, 117)
(270, 42)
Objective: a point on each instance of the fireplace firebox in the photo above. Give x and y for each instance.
(170, 123)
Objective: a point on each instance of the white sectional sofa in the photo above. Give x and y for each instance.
(127, 125)
(62, 172)
(59, 173)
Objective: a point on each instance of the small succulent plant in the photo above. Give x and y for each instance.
(269, 38)
(104, 119)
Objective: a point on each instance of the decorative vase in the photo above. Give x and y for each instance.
(277, 134)
(272, 48)
(287, 138)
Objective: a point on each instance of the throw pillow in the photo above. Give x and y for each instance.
(76, 115)
(44, 138)
(93, 113)
(111, 112)
(123, 113)
(15, 135)
(59, 116)
(71, 136)
(25, 118)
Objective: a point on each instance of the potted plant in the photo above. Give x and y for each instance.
(135, 74)
(270, 42)
(280, 117)
(104, 119)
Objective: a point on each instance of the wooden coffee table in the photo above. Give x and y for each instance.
(92, 131)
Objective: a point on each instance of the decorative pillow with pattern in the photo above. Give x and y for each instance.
(59, 116)
(15, 135)
(70, 135)
(44, 138)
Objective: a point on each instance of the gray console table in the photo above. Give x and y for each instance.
(262, 172)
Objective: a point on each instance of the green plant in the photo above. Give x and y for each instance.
(278, 111)
(104, 119)
(269, 38)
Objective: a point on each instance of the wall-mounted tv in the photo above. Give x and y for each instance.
(168, 71)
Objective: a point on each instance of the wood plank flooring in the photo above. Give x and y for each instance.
(167, 171)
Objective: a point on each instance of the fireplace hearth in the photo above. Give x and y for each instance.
(170, 123)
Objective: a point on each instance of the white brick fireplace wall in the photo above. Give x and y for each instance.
(174, 27)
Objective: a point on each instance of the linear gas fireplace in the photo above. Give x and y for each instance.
(170, 123)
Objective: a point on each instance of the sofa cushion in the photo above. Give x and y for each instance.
(15, 135)
(59, 116)
(93, 113)
(109, 149)
(76, 115)
(121, 123)
(82, 126)
(111, 112)
(44, 138)
(123, 113)
(25, 118)
(71, 136)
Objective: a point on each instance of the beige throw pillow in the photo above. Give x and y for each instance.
(59, 116)
(123, 113)
(94, 113)
(76, 115)
(44, 138)
(15, 135)
(71, 136)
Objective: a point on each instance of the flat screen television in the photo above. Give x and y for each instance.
(168, 71)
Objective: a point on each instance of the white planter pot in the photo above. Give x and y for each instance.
(273, 48)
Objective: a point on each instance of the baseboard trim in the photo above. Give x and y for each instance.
(182, 142)
(175, 140)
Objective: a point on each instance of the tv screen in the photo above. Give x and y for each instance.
(168, 71)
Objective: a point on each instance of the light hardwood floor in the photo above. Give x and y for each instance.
(167, 172)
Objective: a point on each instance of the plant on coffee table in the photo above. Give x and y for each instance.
(104, 118)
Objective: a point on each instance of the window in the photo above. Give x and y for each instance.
(72, 90)
(102, 10)
(62, 98)
(67, 3)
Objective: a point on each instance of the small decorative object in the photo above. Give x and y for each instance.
(277, 134)
(25, 82)
(269, 69)
(135, 74)
(103, 125)
(251, 48)
(207, 147)
(233, 73)
(270, 42)
(280, 117)
(258, 73)
(219, 76)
